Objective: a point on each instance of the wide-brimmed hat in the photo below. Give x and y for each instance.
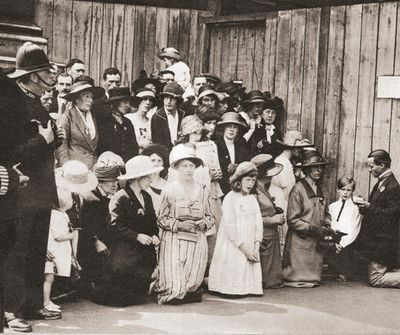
(266, 164)
(174, 90)
(142, 93)
(312, 158)
(75, 177)
(232, 117)
(294, 139)
(275, 104)
(183, 151)
(30, 58)
(83, 83)
(191, 124)
(108, 157)
(170, 53)
(230, 88)
(242, 170)
(139, 166)
(106, 170)
(207, 90)
(143, 80)
(253, 97)
(119, 93)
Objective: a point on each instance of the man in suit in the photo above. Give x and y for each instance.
(378, 240)
(166, 122)
(231, 148)
(63, 86)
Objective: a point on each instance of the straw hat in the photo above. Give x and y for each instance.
(265, 162)
(170, 53)
(183, 151)
(83, 83)
(139, 166)
(142, 93)
(191, 124)
(242, 170)
(75, 177)
(108, 157)
(232, 117)
(294, 139)
(207, 90)
(30, 58)
(312, 158)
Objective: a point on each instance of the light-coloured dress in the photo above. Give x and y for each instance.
(62, 251)
(182, 252)
(230, 271)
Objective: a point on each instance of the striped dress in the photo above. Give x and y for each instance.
(183, 250)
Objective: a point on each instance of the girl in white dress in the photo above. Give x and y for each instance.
(235, 268)
(59, 250)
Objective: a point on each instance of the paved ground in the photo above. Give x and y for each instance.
(333, 308)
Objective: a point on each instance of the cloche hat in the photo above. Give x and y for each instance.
(173, 89)
(254, 96)
(119, 93)
(231, 117)
(75, 177)
(30, 58)
(139, 166)
(191, 124)
(183, 151)
(312, 158)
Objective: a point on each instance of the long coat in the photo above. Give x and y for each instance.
(78, 145)
(118, 138)
(131, 263)
(95, 220)
(378, 238)
(302, 261)
(270, 255)
(241, 155)
(159, 127)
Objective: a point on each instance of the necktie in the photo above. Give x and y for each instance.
(341, 209)
(374, 189)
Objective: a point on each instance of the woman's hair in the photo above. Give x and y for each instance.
(64, 199)
(162, 152)
(344, 181)
(237, 184)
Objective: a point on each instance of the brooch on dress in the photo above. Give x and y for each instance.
(140, 211)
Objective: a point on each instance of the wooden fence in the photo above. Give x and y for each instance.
(324, 63)
(125, 36)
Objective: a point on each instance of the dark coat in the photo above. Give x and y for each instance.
(272, 148)
(95, 221)
(20, 142)
(131, 263)
(116, 137)
(159, 127)
(241, 155)
(378, 238)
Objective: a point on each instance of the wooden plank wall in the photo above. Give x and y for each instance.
(125, 36)
(324, 63)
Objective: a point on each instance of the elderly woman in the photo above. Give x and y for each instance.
(134, 230)
(79, 124)
(95, 240)
(273, 217)
(184, 218)
(235, 268)
(309, 222)
(116, 132)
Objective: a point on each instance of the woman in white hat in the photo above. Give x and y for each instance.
(309, 222)
(173, 62)
(235, 267)
(80, 124)
(135, 232)
(184, 218)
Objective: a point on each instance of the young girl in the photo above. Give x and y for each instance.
(235, 268)
(59, 250)
(345, 218)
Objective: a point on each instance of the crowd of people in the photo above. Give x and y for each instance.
(169, 187)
